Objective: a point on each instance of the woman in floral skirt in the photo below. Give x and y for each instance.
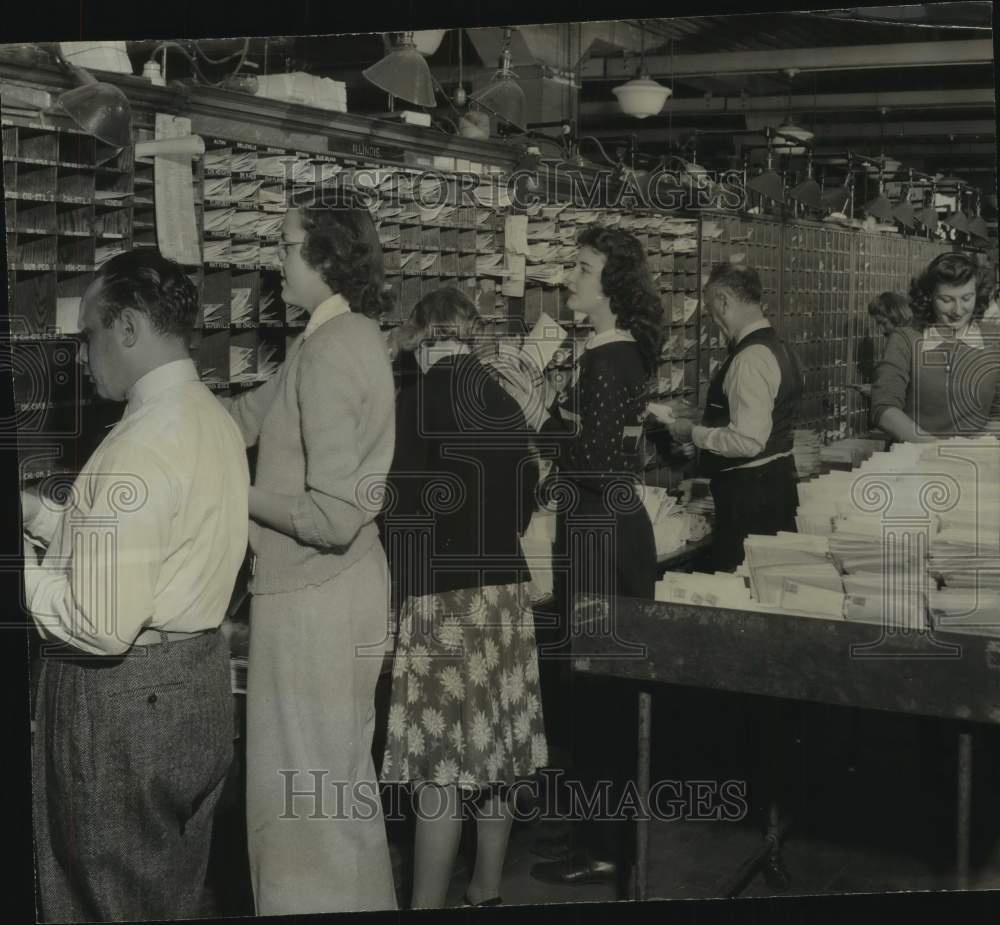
(465, 721)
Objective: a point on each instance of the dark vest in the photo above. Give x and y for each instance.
(783, 416)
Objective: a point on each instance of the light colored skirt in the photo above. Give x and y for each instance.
(317, 840)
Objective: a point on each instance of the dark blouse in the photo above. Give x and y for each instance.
(462, 485)
(599, 429)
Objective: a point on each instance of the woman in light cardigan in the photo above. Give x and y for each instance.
(940, 375)
(324, 426)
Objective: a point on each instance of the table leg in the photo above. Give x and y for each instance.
(642, 822)
(964, 827)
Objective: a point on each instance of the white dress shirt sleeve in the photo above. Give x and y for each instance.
(751, 385)
(45, 522)
(95, 589)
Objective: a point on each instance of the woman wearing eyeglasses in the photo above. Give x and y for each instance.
(324, 427)
(940, 376)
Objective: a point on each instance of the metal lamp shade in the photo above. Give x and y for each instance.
(99, 109)
(958, 221)
(836, 199)
(880, 208)
(404, 74)
(768, 184)
(905, 214)
(504, 97)
(928, 217)
(808, 193)
(979, 228)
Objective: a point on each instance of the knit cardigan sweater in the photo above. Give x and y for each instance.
(948, 389)
(325, 427)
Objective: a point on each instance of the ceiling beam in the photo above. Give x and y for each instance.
(848, 131)
(823, 102)
(768, 61)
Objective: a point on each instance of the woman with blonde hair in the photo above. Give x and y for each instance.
(465, 721)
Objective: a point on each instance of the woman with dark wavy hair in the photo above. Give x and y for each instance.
(603, 532)
(324, 427)
(940, 376)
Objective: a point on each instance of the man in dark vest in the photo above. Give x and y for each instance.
(746, 434)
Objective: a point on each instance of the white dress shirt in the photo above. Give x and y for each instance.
(156, 528)
(751, 385)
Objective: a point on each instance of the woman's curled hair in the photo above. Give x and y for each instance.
(343, 246)
(951, 269)
(890, 306)
(627, 282)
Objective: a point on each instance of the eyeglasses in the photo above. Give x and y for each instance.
(283, 246)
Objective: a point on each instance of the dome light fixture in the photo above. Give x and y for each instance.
(642, 96)
(789, 133)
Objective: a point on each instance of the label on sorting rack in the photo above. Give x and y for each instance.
(369, 149)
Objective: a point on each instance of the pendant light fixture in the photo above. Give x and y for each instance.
(807, 192)
(927, 215)
(503, 96)
(790, 133)
(99, 109)
(903, 212)
(977, 225)
(641, 97)
(880, 207)
(403, 74)
(769, 184)
(957, 219)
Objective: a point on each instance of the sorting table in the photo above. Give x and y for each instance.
(954, 676)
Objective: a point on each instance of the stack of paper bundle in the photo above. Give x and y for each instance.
(720, 589)
(806, 451)
(797, 557)
(966, 610)
(671, 523)
(893, 598)
(818, 502)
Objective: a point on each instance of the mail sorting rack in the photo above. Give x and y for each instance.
(244, 328)
(815, 320)
(444, 238)
(881, 264)
(68, 203)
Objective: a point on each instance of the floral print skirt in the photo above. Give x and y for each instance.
(465, 706)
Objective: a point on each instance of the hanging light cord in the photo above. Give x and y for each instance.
(194, 63)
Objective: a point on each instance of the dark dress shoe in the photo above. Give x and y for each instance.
(579, 869)
(557, 848)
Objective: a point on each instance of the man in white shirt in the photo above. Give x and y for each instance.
(746, 435)
(133, 719)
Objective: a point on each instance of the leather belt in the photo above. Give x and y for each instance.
(154, 637)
